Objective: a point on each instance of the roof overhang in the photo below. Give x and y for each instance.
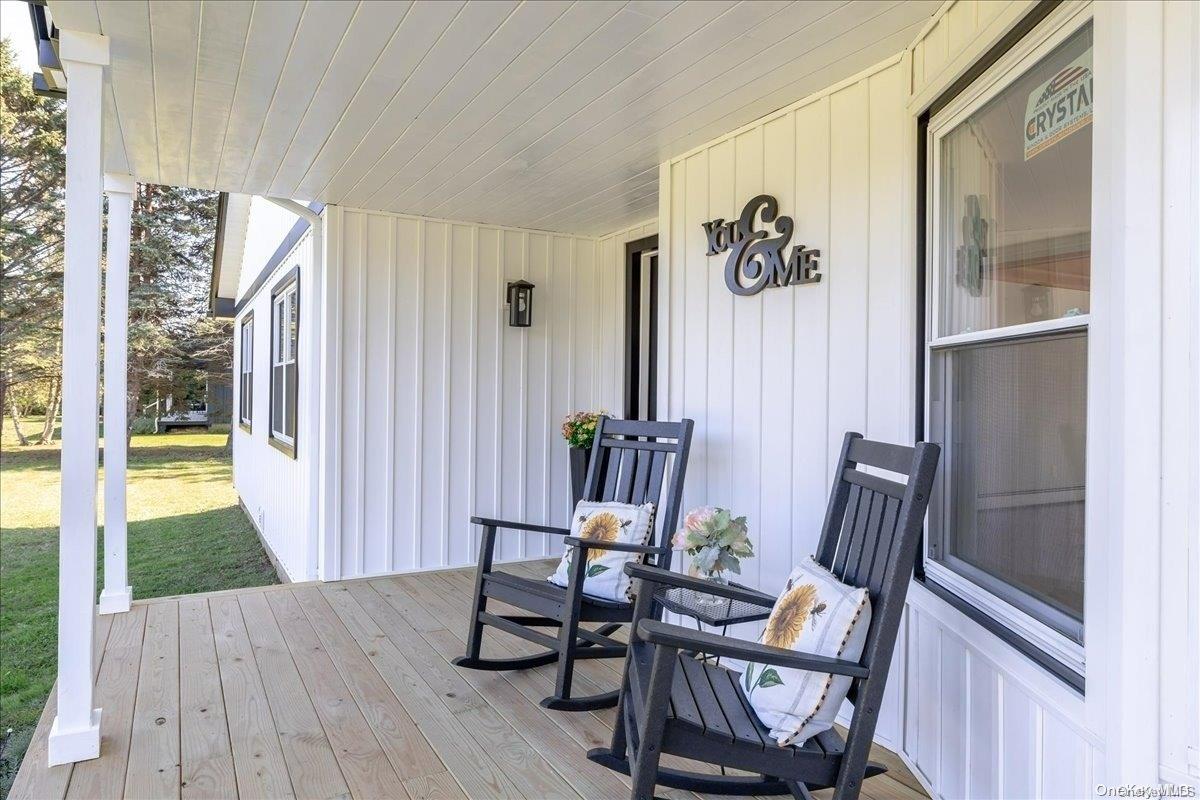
(548, 115)
(233, 217)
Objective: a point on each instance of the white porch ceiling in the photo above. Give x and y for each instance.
(543, 114)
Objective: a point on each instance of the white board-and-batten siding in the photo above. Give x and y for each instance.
(442, 409)
(447, 411)
(775, 379)
(271, 484)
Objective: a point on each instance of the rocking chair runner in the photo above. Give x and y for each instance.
(629, 463)
(673, 703)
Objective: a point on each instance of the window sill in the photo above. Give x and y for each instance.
(282, 446)
(245, 426)
(1047, 662)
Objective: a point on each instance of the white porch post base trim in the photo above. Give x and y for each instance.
(81, 744)
(116, 601)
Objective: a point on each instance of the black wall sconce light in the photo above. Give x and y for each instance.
(520, 304)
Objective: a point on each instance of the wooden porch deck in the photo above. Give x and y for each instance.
(335, 690)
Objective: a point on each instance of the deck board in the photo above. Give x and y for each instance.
(206, 768)
(155, 736)
(337, 690)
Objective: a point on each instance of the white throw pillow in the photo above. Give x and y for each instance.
(817, 614)
(606, 522)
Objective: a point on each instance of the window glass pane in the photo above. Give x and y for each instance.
(1011, 419)
(1015, 200)
(278, 325)
(247, 345)
(293, 324)
(290, 428)
(277, 399)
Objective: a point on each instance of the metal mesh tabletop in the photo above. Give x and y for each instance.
(726, 612)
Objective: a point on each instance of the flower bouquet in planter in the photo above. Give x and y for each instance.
(579, 429)
(717, 542)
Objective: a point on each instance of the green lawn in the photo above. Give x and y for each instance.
(186, 534)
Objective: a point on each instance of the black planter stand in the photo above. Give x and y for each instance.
(579, 465)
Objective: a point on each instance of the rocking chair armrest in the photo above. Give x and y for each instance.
(519, 526)
(660, 576)
(622, 547)
(681, 638)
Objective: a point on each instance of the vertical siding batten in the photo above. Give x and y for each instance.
(523, 416)
(418, 396)
(473, 378)
(498, 396)
(361, 451)
(447, 322)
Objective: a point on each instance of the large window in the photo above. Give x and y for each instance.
(1009, 198)
(246, 372)
(285, 337)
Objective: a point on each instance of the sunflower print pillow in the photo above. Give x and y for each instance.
(817, 614)
(605, 576)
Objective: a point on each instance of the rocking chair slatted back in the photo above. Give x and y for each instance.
(637, 461)
(871, 532)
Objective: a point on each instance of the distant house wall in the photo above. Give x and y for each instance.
(218, 399)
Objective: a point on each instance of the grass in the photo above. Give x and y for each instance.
(186, 535)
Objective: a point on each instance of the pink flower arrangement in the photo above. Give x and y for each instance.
(715, 539)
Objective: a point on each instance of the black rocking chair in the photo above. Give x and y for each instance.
(673, 703)
(630, 461)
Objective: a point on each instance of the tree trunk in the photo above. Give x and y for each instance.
(51, 412)
(16, 420)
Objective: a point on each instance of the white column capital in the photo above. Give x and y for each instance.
(85, 48)
(119, 183)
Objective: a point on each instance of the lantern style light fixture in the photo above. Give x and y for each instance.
(520, 304)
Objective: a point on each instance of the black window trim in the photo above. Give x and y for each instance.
(292, 276)
(1026, 25)
(245, 423)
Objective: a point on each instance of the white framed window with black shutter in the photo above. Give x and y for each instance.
(285, 338)
(246, 372)
(1008, 205)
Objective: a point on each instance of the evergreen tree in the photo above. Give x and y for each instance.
(32, 175)
(173, 345)
(172, 232)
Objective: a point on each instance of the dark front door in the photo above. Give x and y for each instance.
(641, 328)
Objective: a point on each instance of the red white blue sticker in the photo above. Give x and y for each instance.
(1059, 107)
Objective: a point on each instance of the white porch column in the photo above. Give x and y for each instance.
(117, 592)
(75, 735)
